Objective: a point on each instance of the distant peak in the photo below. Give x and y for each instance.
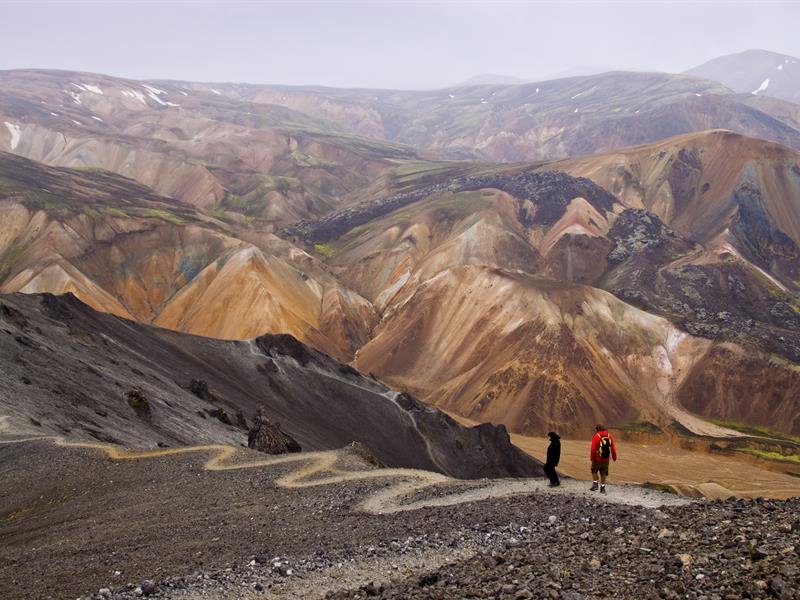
(491, 79)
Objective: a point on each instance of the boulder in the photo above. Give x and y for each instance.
(269, 438)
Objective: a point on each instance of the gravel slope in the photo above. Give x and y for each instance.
(74, 521)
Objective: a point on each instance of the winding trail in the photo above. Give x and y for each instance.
(320, 468)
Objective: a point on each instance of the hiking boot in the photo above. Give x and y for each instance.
(594, 487)
(602, 489)
(553, 484)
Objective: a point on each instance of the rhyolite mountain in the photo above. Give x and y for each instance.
(523, 294)
(123, 249)
(757, 72)
(535, 121)
(642, 286)
(238, 159)
(282, 153)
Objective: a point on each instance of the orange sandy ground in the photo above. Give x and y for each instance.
(664, 463)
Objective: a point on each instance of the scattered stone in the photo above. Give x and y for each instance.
(139, 403)
(149, 587)
(221, 415)
(686, 560)
(428, 579)
(199, 387)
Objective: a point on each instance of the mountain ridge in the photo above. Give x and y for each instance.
(756, 72)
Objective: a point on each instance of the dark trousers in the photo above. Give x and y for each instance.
(550, 471)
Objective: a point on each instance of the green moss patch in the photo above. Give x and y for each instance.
(769, 455)
(324, 249)
(164, 215)
(756, 430)
(9, 259)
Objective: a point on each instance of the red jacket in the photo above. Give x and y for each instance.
(593, 455)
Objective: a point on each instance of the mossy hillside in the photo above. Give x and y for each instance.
(66, 193)
(770, 455)
(164, 215)
(251, 199)
(756, 430)
(304, 160)
(10, 258)
(444, 210)
(326, 250)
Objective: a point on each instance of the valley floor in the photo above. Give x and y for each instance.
(692, 472)
(710, 474)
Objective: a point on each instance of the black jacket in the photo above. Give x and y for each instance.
(554, 451)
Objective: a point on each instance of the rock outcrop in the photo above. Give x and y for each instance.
(268, 437)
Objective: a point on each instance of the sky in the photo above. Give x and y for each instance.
(403, 45)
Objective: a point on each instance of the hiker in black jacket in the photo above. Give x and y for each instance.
(553, 456)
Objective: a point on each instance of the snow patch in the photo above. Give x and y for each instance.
(576, 110)
(93, 89)
(764, 85)
(696, 94)
(97, 119)
(136, 95)
(576, 95)
(76, 98)
(76, 122)
(184, 93)
(217, 92)
(54, 114)
(780, 67)
(451, 95)
(16, 133)
(153, 90)
(537, 90)
(156, 98)
(171, 104)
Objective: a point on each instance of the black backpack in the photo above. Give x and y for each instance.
(604, 449)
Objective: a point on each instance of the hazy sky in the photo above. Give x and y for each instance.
(383, 44)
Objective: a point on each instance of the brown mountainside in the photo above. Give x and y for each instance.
(489, 293)
(122, 249)
(620, 287)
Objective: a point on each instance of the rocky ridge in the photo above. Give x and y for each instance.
(74, 372)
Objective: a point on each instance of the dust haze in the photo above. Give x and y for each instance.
(405, 45)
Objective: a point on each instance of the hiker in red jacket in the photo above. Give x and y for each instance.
(603, 449)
